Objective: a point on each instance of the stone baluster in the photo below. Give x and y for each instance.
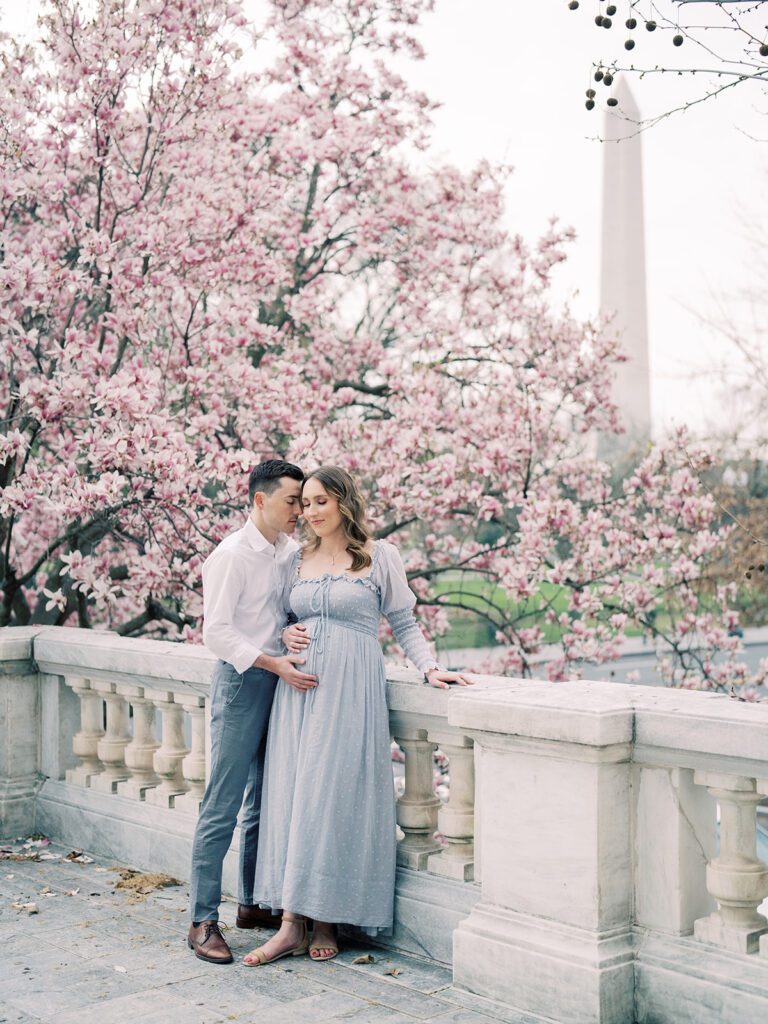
(761, 785)
(456, 818)
(85, 742)
(139, 752)
(111, 747)
(417, 807)
(193, 766)
(168, 758)
(736, 879)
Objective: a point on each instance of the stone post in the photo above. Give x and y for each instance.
(19, 733)
(85, 742)
(59, 721)
(670, 871)
(761, 785)
(456, 819)
(194, 764)
(552, 933)
(735, 878)
(167, 760)
(111, 747)
(478, 843)
(417, 807)
(139, 752)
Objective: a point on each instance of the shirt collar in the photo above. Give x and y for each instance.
(259, 542)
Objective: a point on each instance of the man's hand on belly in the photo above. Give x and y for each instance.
(286, 668)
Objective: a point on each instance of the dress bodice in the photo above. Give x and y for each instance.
(358, 602)
(353, 602)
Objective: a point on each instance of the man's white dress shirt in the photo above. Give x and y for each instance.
(243, 588)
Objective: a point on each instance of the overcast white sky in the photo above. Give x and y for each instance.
(511, 75)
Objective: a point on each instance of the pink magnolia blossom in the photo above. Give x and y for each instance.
(203, 266)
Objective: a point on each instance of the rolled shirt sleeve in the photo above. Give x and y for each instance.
(223, 584)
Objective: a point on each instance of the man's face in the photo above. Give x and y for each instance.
(282, 507)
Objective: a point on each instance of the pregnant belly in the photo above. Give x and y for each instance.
(338, 647)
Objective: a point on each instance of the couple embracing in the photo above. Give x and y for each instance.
(300, 740)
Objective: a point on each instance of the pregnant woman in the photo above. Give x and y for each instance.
(327, 833)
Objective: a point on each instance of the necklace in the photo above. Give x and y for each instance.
(337, 555)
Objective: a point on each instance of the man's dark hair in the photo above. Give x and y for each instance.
(267, 475)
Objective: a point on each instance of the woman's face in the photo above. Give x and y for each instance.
(320, 509)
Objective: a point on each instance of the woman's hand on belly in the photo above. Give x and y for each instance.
(296, 637)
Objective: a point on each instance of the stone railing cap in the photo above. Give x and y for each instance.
(695, 721)
(16, 646)
(602, 713)
(595, 714)
(92, 652)
(687, 723)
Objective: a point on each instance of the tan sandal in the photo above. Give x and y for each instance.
(317, 946)
(298, 950)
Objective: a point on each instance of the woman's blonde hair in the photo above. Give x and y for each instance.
(342, 486)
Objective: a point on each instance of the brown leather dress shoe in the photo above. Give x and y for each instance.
(208, 943)
(255, 917)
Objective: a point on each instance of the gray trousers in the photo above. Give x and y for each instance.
(240, 707)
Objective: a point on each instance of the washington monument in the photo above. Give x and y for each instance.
(622, 273)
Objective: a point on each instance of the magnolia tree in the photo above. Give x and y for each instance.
(209, 260)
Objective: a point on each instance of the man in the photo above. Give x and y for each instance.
(243, 589)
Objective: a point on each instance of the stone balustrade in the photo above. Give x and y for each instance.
(131, 743)
(595, 861)
(142, 740)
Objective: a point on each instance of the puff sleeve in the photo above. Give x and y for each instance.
(397, 604)
(286, 579)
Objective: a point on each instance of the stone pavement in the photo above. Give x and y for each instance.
(94, 954)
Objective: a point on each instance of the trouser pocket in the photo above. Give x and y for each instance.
(234, 685)
(225, 686)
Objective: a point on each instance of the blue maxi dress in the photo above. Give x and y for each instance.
(327, 833)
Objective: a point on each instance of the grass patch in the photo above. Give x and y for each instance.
(468, 627)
